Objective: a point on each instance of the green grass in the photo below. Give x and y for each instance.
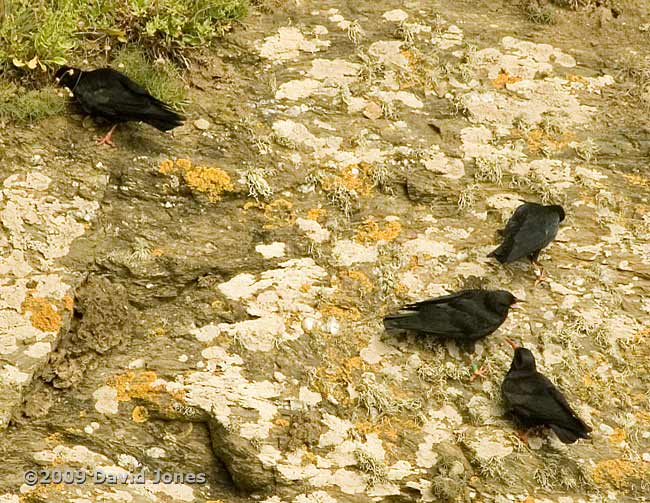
(142, 38)
(19, 105)
(161, 78)
(538, 12)
(43, 34)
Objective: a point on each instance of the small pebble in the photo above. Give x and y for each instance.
(201, 124)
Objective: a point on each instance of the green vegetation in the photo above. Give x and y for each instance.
(16, 104)
(144, 38)
(46, 33)
(538, 12)
(161, 78)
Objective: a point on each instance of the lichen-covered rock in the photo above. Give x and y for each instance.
(378, 151)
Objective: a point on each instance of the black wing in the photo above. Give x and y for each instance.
(536, 400)
(441, 300)
(461, 315)
(530, 229)
(113, 95)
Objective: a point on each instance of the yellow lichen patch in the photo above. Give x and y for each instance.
(158, 332)
(371, 232)
(352, 178)
(364, 281)
(135, 385)
(44, 315)
(279, 212)
(637, 179)
(366, 428)
(139, 414)
(503, 79)
(68, 302)
(157, 252)
(167, 167)
(54, 439)
(621, 473)
(351, 313)
(316, 214)
(213, 182)
(184, 164)
(281, 422)
(538, 140)
(618, 436)
(309, 458)
(576, 78)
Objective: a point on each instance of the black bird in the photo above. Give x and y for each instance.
(112, 95)
(531, 227)
(535, 401)
(465, 316)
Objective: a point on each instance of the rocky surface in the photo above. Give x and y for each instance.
(211, 301)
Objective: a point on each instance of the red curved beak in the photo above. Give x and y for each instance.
(515, 304)
(512, 343)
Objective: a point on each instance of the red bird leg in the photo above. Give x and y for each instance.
(108, 139)
(539, 273)
(478, 372)
(523, 436)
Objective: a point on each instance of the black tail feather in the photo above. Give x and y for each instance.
(569, 436)
(498, 254)
(402, 321)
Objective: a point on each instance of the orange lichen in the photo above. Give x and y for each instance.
(536, 139)
(212, 181)
(157, 252)
(281, 422)
(618, 436)
(351, 313)
(353, 178)
(637, 179)
(305, 287)
(166, 167)
(184, 164)
(44, 315)
(371, 232)
(316, 214)
(140, 414)
(309, 458)
(364, 281)
(279, 212)
(68, 302)
(209, 180)
(620, 473)
(135, 385)
(54, 439)
(503, 79)
(576, 78)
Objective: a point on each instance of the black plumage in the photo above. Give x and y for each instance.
(465, 316)
(535, 401)
(113, 96)
(530, 229)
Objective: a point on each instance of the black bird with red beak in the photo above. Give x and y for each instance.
(534, 400)
(464, 317)
(113, 96)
